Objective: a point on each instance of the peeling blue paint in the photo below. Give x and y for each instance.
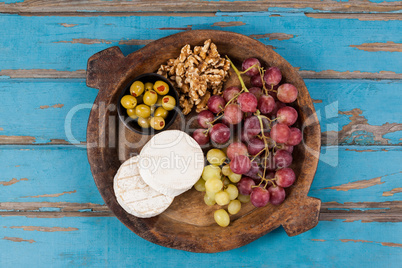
(394, 136)
(50, 209)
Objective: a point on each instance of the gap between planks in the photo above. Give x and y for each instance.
(99, 6)
(390, 211)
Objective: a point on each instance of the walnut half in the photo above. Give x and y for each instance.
(203, 103)
(198, 74)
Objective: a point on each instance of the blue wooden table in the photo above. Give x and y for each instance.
(348, 52)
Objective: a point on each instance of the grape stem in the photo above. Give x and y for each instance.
(274, 148)
(265, 143)
(254, 66)
(212, 122)
(224, 186)
(258, 114)
(263, 116)
(258, 154)
(272, 89)
(262, 72)
(273, 181)
(263, 179)
(234, 97)
(255, 186)
(243, 86)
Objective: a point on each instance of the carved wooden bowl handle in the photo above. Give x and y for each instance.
(104, 68)
(304, 216)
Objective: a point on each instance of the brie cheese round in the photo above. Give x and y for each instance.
(134, 195)
(171, 162)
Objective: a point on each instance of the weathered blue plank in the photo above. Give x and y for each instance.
(53, 174)
(62, 174)
(358, 112)
(340, 104)
(358, 174)
(38, 109)
(107, 242)
(65, 43)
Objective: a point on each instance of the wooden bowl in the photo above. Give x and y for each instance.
(188, 223)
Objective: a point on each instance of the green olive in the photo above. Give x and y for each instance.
(148, 86)
(160, 111)
(128, 101)
(143, 122)
(137, 88)
(143, 111)
(168, 102)
(161, 87)
(150, 97)
(131, 113)
(157, 122)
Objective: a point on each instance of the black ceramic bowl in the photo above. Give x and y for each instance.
(131, 123)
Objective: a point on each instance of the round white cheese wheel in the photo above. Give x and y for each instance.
(171, 162)
(134, 195)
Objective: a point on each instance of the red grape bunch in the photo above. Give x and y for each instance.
(265, 118)
(211, 128)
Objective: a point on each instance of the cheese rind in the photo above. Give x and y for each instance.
(134, 195)
(171, 162)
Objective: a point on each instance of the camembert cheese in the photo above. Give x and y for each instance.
(171, 162)
(134, 195)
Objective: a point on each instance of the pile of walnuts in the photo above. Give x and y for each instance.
(197, 74)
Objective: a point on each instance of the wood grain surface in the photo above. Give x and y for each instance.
(347, 51)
